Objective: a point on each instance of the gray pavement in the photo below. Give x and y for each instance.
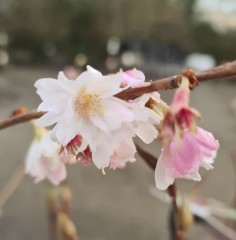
(118, 205)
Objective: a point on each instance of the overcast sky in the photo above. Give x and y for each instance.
(218, 5)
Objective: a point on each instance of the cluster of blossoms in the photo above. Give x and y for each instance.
(186, 147)
(92, 125)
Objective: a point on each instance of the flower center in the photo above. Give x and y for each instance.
(86, 104)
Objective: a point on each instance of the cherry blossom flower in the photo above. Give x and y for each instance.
(145, 117)
(83, 106)
(134, 78)
(87, 107)
(43, 160)
(123, 153)
(186, 147)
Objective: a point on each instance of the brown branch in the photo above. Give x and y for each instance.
(223, 71)
(220, 72)
(171, 190)
(20, 119)
(147, 157)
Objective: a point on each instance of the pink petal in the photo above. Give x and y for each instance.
(182, 155)
(134, 78)
(180, 100)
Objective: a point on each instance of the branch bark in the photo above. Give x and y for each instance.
(20, 119)
(220, 72)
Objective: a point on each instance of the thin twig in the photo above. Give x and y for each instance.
(147, 157)
(221, 72)
(11, 185)
(52, 208)
(20, 119)
(172, 191)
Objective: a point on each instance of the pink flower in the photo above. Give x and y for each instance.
(123, 153)
(43, 161)
(134, 78)
(186, 147)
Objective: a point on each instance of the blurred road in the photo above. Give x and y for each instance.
(118, 205)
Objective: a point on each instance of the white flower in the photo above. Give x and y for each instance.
(87, 107)
(123, 153)
(42, 159)
(83, 106)
(145, 119)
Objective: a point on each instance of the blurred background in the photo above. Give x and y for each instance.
(115, 33)
(40, 37)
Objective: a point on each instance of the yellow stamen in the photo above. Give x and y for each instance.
(86, 104)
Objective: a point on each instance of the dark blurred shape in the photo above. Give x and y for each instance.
(53, 32)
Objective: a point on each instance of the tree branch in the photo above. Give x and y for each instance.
(12, 184)
(171, 190)
(20, 119)
(220, 72)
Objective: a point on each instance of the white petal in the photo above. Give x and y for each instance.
(89, 133)
(93, 71)
(57, 175)
(67, 85)
(106, 86)
(153, 115)
(48, 119)
(194, 176)
(69, 113)
(33, 154)
(62, 77)
(206, 163)
(55, 103)
(48, 146)
(99, 122)
(85, 79)
(146, 132)
(162, 179)
(116, 113)
(66, 132)
(141, 101)
(101, 157)
(46, 87)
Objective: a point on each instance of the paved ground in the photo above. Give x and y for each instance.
(118, 205)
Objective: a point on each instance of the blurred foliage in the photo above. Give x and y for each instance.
(55, 31)
(221, 46)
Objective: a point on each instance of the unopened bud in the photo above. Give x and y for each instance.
(52, 194)
(65, 198)
(184, 217)
(67, 227)
(19, 111)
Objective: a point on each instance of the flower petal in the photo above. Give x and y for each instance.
(48, 119)
(162, 178)
(146, 132)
